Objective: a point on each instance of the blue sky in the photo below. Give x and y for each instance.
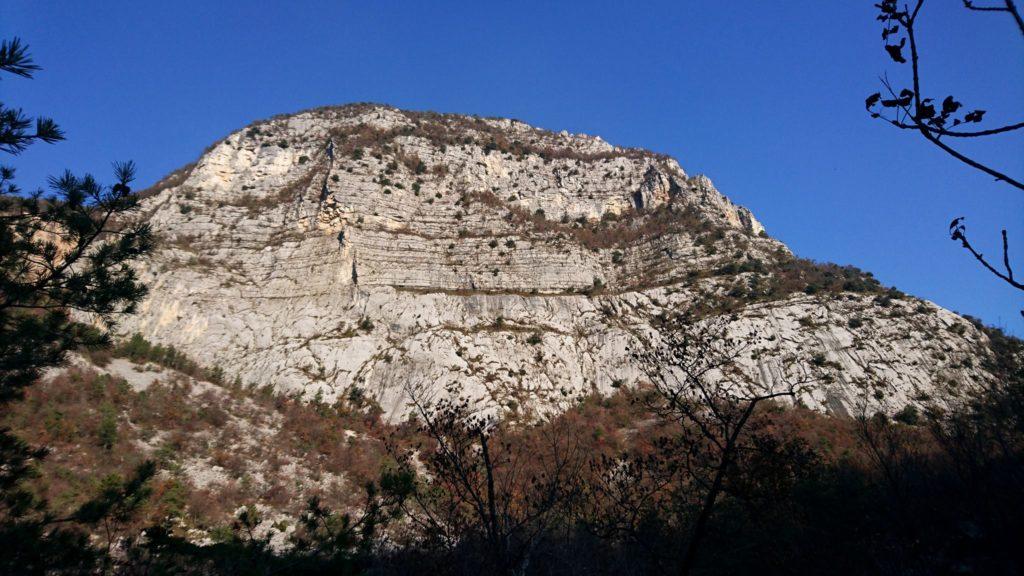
(766, 98)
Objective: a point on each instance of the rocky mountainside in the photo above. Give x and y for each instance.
(351, 251)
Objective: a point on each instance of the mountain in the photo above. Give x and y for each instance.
(353, 251)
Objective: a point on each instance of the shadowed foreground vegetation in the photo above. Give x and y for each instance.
(613, 486)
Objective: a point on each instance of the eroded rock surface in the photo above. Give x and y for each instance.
(364, 247)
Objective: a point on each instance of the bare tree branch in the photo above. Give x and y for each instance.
(923, 116)
(1009, 7)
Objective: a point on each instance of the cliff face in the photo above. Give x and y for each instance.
(364, 248)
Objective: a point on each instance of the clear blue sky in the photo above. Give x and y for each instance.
(766, 98)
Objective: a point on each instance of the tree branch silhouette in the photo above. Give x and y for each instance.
(958, 231)
(908, 109)
(1009, 7)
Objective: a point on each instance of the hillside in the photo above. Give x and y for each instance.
(361, 249)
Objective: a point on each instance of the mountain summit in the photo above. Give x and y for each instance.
(352, 251)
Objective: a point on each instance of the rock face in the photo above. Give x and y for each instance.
(367, 248)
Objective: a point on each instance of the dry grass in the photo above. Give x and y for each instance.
(265, 445)
(172, 180)
(612, 231)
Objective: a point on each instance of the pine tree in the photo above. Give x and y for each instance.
(63, 252)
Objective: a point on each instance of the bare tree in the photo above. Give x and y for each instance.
(939, 123)
(696, 369)
(487, 483)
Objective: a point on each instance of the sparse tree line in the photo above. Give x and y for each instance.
(702, 470)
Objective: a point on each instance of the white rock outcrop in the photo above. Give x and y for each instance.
(364, 246)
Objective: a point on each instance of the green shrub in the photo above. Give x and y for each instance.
(908, 415)
(107, 433)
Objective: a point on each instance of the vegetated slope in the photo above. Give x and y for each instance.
(362, 249)
(217, 447)
(224, 453)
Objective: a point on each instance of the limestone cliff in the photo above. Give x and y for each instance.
(365, 247)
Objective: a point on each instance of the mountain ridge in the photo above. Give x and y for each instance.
(363, 247)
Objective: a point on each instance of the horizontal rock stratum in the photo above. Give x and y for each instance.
(360, 249)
